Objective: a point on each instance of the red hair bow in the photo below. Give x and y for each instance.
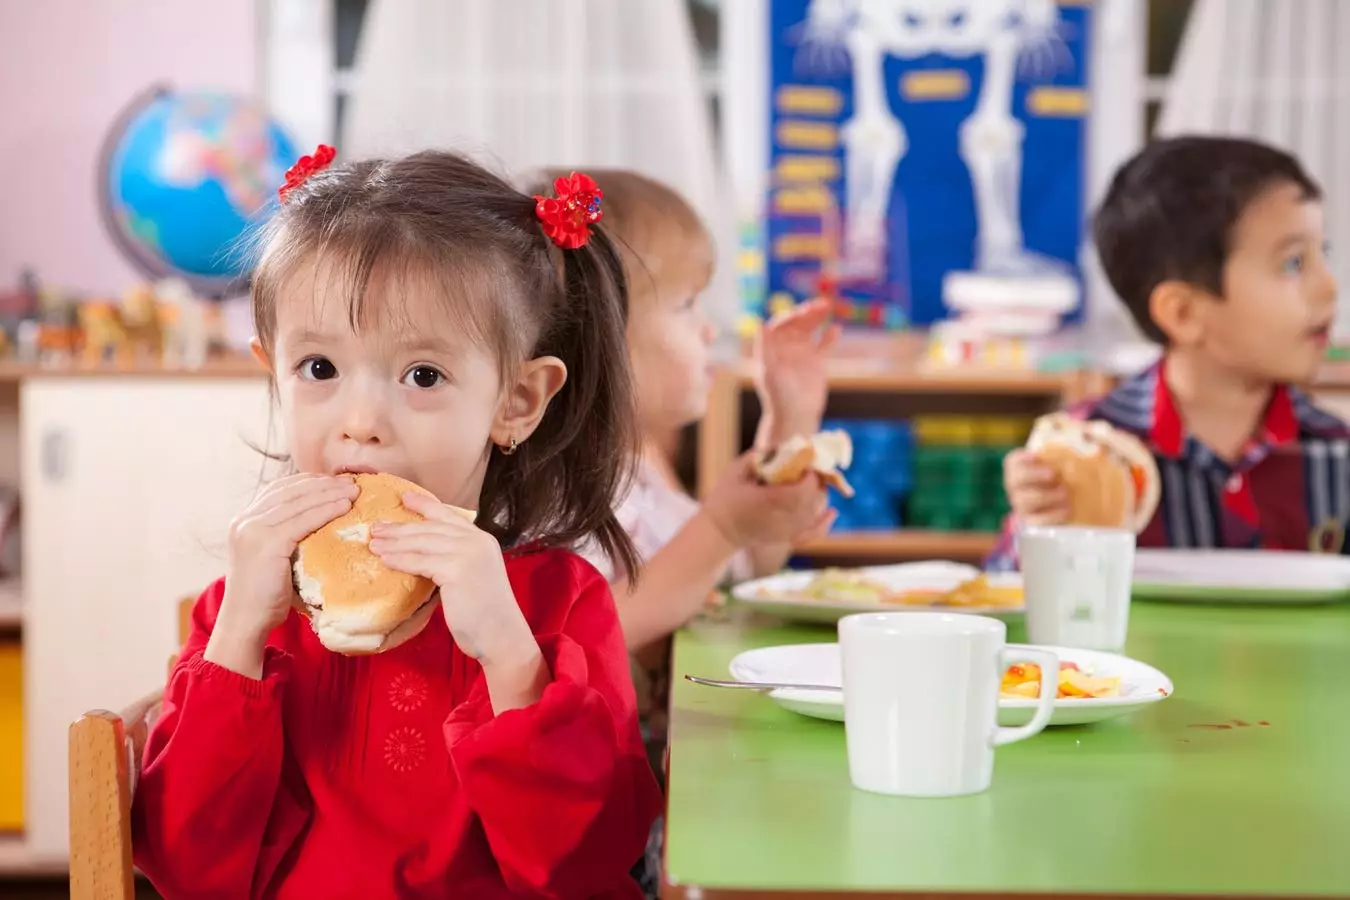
(568, 217)
(306, 166)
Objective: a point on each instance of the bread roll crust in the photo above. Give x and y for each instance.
(824, 453)
(357, 604)
(1111, 477)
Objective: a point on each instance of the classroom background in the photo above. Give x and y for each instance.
(142, 140)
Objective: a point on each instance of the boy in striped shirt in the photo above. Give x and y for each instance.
(1217, 247)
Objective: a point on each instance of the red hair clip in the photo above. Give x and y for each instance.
(306, 166)
(568, 217)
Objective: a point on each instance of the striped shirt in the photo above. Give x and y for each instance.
(1289, 490)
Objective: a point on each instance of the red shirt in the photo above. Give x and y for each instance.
(389, 775)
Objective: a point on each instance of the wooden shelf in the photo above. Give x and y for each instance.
(914, 543)
(892, 364)
(12, 370)
(11, 605)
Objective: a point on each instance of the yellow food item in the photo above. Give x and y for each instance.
(852, 586)
(1023, 681)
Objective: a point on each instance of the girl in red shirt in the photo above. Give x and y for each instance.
(420, 317)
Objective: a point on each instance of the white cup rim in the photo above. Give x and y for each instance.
(926, 624)
(1081, 532)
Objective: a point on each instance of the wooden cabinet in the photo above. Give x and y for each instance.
(128, 483)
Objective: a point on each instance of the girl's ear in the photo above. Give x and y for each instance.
(525, 402)
(260, 354)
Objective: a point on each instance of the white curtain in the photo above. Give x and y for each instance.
(527, 83)
(1275, 70)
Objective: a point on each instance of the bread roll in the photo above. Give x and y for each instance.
(1111, 477)
(824, 453)
(355, 603)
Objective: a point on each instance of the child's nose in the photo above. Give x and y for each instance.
(364, 423)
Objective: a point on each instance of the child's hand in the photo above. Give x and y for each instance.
(1035, 493)
(790, 376)
(466, 564)
(259, 588)
(748, 513)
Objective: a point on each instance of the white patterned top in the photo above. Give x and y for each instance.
(652, 513)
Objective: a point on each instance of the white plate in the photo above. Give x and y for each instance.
(779, 595)
(1140, 684)
(1241, 576)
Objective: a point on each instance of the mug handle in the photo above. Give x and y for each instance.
(1045, 705)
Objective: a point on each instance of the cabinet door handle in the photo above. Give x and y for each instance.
(55, 454)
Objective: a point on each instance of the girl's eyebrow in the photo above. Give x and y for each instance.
(428, 344)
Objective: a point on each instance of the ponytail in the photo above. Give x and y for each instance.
(580, 459)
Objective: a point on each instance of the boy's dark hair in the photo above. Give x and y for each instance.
(1170, 211)
(440, 216)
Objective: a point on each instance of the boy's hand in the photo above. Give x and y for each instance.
(748, 513)
(790, 371)
(259, 588)
(1035, 493)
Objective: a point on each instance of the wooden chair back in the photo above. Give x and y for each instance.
(105, 759)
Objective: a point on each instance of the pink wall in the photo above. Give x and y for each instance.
(66, 68)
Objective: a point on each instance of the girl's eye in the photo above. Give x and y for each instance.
(690, 302)
(317, 368)
(1294, 264)
(423, 377)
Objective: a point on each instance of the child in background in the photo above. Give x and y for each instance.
(421, 317)
(742, 528)
(1217, 247)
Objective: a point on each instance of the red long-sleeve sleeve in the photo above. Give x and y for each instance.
(563, 788)
(389, 775)
(212, 815)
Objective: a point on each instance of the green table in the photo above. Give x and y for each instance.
(1239, 784)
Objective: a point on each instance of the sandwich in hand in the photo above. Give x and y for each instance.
(1111, 477)
(357, 604)
(824, 453)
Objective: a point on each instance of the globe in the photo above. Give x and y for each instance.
(186, 178)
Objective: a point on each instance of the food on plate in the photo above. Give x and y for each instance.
(824, 453)
(1111, 477)
(845, 586)
(855, 586)
(1023, 681)
(982, 590)
(355, 603)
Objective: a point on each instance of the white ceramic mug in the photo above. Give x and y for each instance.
(921, 700)
(1077, 585)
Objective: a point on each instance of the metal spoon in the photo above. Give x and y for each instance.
(762, 685)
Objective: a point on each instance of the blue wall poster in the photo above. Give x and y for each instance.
(912, 138)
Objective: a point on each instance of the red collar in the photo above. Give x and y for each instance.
(1168, 434)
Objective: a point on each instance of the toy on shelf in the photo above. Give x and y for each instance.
(1001, 322)
(53, 336)
(165, 324)
(122, 333)
(16, 307)
(187, 323)
(958, 471)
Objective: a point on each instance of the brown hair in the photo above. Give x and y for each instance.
(439, 215)
(658, 232)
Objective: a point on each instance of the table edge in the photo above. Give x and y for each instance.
(671, 891)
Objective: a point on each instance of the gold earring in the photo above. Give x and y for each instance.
(509, 448)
